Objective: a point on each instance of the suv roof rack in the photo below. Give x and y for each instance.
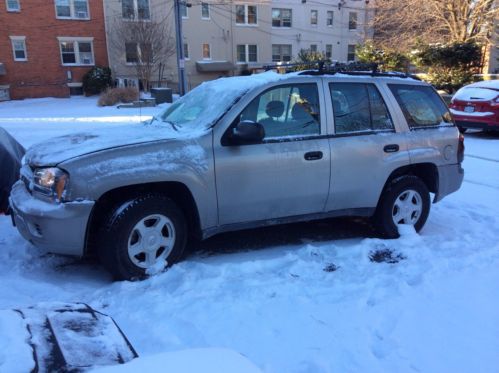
(349, 68)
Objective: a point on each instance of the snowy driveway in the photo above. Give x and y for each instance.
(295, 298)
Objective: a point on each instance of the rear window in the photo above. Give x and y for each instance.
(421, 105)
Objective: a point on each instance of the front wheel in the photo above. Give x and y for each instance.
(405, 201)
(142, 236)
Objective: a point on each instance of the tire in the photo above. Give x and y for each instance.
(462, 129)
(142, 235)
(405, 200)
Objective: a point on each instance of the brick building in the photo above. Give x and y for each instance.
(46, 46)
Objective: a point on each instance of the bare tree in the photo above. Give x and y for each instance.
(145, 43)
(399, 24)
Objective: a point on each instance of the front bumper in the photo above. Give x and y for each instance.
(57, 228)
(450, 178)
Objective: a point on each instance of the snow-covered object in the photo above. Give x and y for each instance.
(11, 153)
(479, 91)
(215, 98)
(202, 360)
(15, 353)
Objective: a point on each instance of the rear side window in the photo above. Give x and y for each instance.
(421, 105)
(358, 107)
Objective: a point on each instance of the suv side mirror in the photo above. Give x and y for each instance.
(247, 132)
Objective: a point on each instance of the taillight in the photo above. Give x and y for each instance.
(460, 148)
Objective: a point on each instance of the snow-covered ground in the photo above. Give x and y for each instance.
(295, 298)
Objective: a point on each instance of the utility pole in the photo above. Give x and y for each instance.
(182, 81)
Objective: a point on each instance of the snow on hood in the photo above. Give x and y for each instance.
(217, 95)
(479, 91)
(59, 149)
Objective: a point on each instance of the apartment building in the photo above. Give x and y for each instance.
(46, 46)
(232, 37)
(331, 27)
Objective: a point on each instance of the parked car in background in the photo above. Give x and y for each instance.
(477, 106)
(11, 153)
(238, 153)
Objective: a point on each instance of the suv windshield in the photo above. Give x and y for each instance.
(200, 108)
(205, 104)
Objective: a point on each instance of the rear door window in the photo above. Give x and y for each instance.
(358, 107)
(421, 105)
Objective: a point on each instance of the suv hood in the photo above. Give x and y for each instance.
(60, 149)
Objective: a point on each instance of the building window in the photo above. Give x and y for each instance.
(205, 11)
(19, 48)
(329, 50)
(138, 53)
(186, 51)
(247, 53)
(206, 52)
(183, 10)
(281, 52)
(135, 9)
(72, 9)
(329, 18)
(131, 53)
(313, 47)
(351, 52)
(314, 15)
(13, 6)
(246, 15)
(76, 52)
(352, 21)
(281, 17)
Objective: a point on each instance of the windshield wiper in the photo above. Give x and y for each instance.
(174, 126)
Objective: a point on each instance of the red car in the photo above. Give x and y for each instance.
(477, 106)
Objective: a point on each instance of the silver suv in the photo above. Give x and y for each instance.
(237, 153)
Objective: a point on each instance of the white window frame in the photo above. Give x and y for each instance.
(13, 39)
(330, 12)
(76, 41)
(246, 15)
(354, 52)
(9, 9)
(312, 11)
(356, 21)
(246, 53)
(207, 7)
(136, 12)
(72, 11)
(280, 52)
(326, 50)
(209, 50)
(281, 18)
(139, 54)
(184, 6)
(187, 56)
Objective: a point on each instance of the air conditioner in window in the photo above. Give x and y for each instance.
(87, 61)
(81, 15)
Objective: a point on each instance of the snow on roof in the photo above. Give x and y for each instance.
(479, 91)
(494, 84)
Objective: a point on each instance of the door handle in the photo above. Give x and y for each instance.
(392, 148)
(313, 156)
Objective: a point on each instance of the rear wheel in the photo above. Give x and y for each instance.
(142, 236)
(405, 201)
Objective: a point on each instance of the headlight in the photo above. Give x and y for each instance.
(51, 182)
